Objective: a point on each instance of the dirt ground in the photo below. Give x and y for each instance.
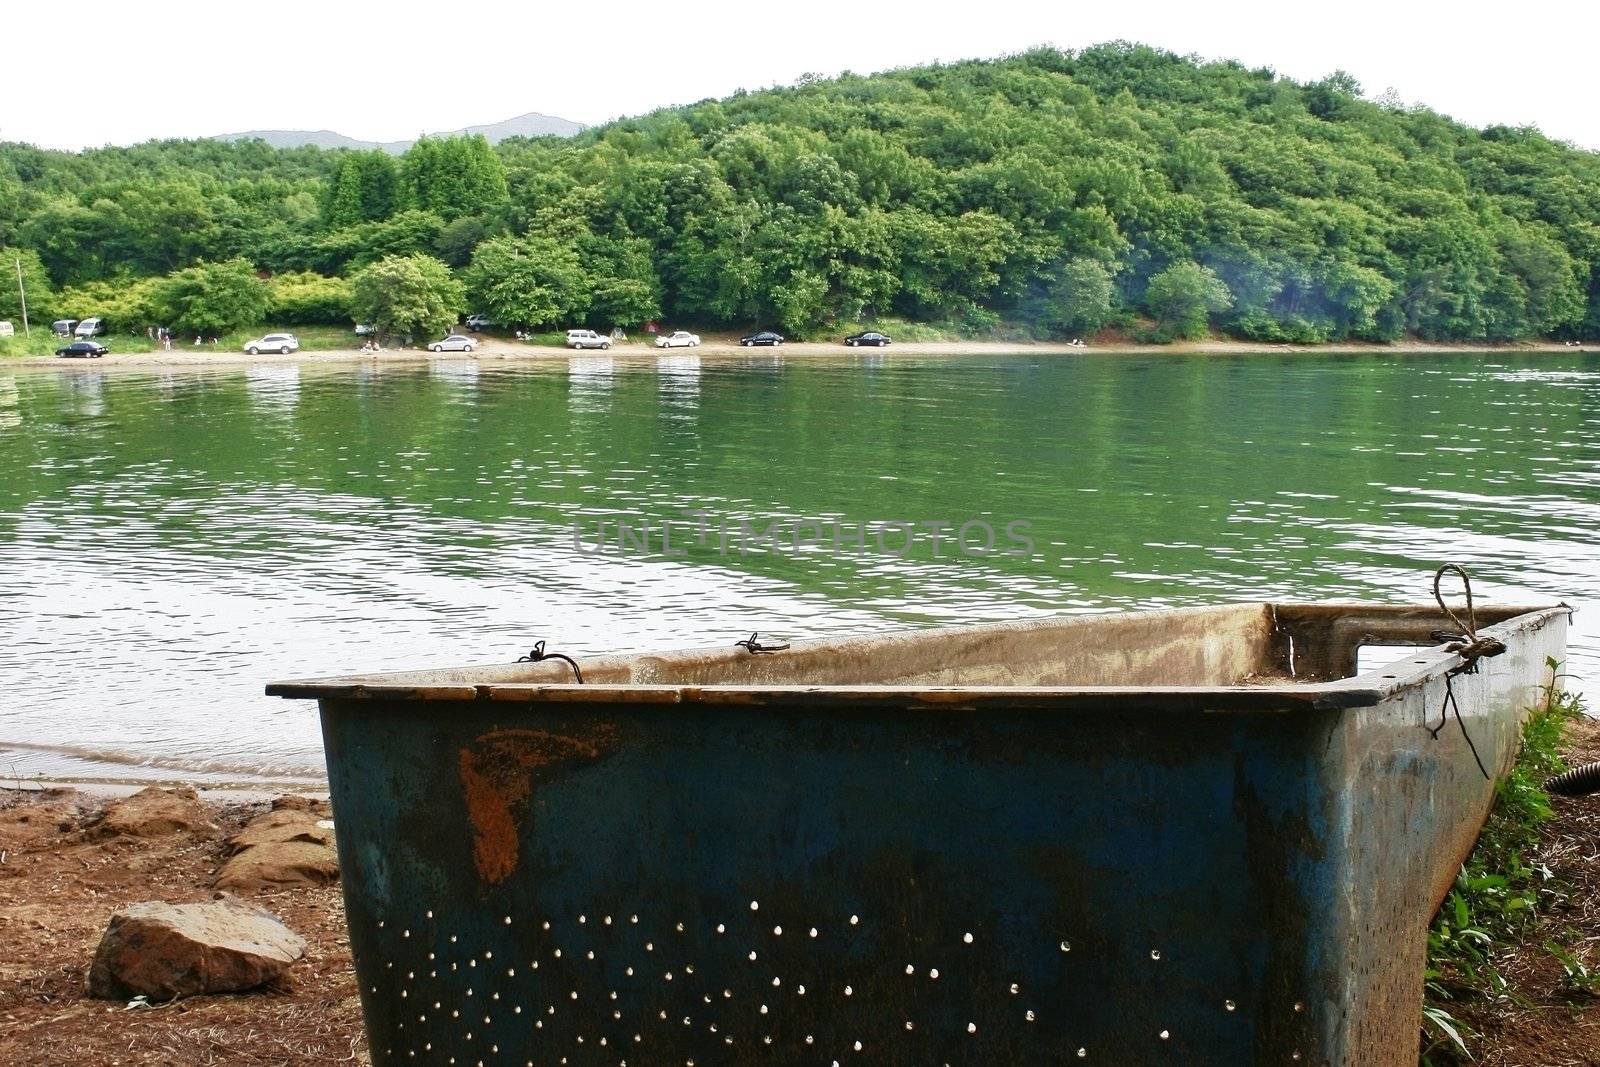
(59, 884)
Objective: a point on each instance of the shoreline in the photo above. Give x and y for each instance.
(510, 352)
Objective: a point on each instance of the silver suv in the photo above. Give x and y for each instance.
(273, 342)
(587, 339)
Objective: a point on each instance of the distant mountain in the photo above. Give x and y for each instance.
(532, 124)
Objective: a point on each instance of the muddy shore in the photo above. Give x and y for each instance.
(494, 350)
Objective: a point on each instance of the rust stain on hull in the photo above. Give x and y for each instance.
(497, 777)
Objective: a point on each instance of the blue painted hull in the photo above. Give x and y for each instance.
(979, 874)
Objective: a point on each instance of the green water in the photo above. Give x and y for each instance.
(172, 540)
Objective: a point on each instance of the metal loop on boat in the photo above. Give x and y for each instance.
(753, 646)
(538, 654)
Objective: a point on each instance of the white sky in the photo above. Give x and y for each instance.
(92, 72)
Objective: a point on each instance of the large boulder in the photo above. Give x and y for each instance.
(161, 951)
(290, 845)
(156, 812)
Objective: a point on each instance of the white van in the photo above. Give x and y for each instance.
(6, 329)
(89, 328)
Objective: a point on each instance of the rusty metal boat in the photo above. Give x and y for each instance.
(1193, 836)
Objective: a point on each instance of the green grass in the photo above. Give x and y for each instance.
(1500, 892)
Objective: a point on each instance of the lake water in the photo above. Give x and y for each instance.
(171, 540)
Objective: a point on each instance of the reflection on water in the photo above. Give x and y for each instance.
(460, 371)
(86, 390)
(274, 387)
(170, 541)
(10, 417)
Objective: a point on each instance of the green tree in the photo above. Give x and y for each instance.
(405, 233)
(124, 304)
(535, 281)
(948, 264)
(1182, 298)
(458, 240)
(212, 298)
(306, 297)
(41, 295)
(453, 176)
(624, 288)
(1358, 297)
(364, 187)
(407, 296)
(1078, 299)
(1536, 287)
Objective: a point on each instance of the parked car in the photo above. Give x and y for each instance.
(762, 337)
(587, 339)
(454, 343)
(90, 328)
(83, 350)
(679, 339)
(479, 322)
(364, 330)
(63, 327)
(870, 337)
(283, 343)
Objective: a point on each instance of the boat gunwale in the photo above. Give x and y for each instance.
(1360, 690)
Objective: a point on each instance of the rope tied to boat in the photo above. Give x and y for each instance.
(1467, 644)
(753, 646)
(538, 655)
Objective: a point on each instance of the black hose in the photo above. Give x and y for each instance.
(1578, 782)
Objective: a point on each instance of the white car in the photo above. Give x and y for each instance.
(282, 343)
(454, 343)
(587, 339)
(679, 339)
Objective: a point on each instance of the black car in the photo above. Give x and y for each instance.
(871, 337)
(762, 337)
(83, 350)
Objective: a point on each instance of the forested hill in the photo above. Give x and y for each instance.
(1067, 191)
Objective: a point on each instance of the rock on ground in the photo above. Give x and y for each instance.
(162, 951)
(291, 844)
(156, 812)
